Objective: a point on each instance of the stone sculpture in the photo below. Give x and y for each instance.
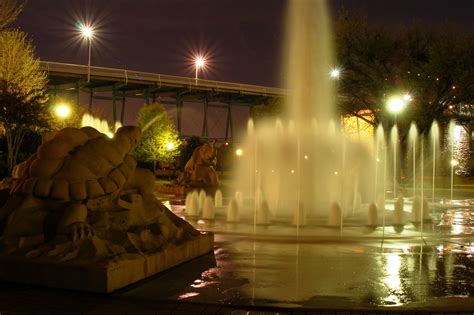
(199, 171)
(80, 197)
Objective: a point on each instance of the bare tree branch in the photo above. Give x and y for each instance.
(9, 11)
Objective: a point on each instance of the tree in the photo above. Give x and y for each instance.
(20, 72)
(433, 65)
(9, 10)
(18, 117)
(370, 61)
(22, 93)
(440, 72)
(160, 140)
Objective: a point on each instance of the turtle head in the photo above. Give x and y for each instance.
(128, 134)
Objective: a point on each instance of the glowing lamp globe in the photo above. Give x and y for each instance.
(335, 73)
(63, 111)
(87, 31)
(170, 146)
(200, 62)
(396, 104)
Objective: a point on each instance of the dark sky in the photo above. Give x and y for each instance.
(241, 38)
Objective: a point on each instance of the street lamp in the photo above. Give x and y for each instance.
(170, 146)
(199, 62)
(88, 32)
(62, 110)
(395, 105)
(335, 73)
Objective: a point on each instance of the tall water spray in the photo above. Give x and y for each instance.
(412, 145)
(395, 152)
(308, 62)
(299, 162)
(434, 137)
(100, 124)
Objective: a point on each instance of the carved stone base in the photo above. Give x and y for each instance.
(106, 276)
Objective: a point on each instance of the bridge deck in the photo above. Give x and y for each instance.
(118, 85)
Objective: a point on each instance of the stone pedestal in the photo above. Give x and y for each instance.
(105, 276)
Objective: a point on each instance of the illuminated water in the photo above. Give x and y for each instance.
(303, 164)
(100, 124)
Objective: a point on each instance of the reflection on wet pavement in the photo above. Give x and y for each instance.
(459, 221)
(323, 273)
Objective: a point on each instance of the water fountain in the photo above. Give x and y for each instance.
(99, 124)
(208, 211)
(218, 198)
(302, 171)
(233, 211)
(299, 164)
(307, 192)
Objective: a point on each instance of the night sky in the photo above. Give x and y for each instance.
(241, 38)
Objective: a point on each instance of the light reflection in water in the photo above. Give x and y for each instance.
(198, 283)
(187, 295)
(459, 221)
(392, 280)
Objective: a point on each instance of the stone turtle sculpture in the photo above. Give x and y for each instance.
(83, 185)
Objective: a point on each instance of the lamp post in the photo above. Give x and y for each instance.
(199, 62)
(335, 73)
(62, 111)
(87, 32)
(395, 105)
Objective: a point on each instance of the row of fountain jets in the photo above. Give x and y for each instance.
(200, 205)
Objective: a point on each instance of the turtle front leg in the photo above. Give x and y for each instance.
(73, 222)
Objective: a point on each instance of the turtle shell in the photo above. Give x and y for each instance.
(78, 164)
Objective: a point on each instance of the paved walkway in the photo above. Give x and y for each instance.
(20, 300)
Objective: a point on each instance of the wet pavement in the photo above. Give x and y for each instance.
(325, 275)
(316, 267)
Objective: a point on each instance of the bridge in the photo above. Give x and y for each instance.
(119, 85)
